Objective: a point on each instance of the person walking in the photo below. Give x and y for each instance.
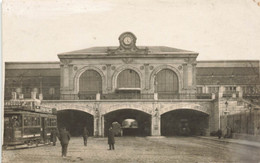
(111, 139)
(85, 135)
(64, 138)
(219, 133)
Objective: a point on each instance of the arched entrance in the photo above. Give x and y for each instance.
(141, 122)
(184, 122)
(74, 121)
(90, 83)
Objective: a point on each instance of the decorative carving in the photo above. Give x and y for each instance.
(180, 67)
(113, 68)
(104, 67)
(151, 67)
(141, 67)
(66, 61)
(75, 68)
(127, 60)
(127, 42)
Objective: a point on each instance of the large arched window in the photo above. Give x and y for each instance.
(128, 79)
(166, 81)
(90, 83)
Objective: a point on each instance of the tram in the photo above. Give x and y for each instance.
(26, 122)
(184, 129)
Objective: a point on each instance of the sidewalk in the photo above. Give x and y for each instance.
(235, 141)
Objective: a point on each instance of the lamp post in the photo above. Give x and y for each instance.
(250, 119)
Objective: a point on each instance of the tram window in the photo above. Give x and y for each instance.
(53, 122)
(16, 121)
(25, 121)
(38, 121)
(7, 122)
(47, 121)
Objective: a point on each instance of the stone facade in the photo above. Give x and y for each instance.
(217, 83)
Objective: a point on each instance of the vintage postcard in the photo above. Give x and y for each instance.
(156, 81)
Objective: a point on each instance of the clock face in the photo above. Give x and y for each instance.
(127, 40)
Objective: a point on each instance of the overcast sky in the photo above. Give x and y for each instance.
(38, 30)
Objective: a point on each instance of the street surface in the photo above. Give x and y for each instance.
(138, 150)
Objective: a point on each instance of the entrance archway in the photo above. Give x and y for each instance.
(141, 118)
(184, 122)
(74, 121)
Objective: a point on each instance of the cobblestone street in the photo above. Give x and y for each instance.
(138, 149)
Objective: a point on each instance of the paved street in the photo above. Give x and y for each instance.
(139, 149)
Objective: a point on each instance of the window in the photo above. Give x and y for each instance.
(90, 82)
(166, 81)
(213, 89)
(128, 79)
(230, 89)
(199, 90)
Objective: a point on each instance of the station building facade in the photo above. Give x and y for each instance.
(165, 90)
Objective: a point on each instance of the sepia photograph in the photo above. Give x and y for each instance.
(134, 81)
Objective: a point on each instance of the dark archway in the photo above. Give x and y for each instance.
(184, 122)
(74, 121)
(143, 120)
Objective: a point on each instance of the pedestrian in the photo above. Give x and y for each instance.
(64, 138)
(219, 133)
(111, 139)
(53, 136)
(85, 135)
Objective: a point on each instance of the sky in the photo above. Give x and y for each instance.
(38, 30)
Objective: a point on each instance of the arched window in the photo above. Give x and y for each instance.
(166, 81)
(90, 83)
(128, 79)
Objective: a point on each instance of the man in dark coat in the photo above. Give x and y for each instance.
(219, 133)
(111, 139)
(53, 136)
(85, 135)
(64, 138)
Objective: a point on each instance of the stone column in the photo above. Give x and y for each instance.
(96, 125)
(189, 75)
(240, 92)
(65, 76)
(155, 96)
(102, 125)
(109, 78)
(97, 121)
(185, 75)
(98, 96)
(146, 69)
(156, 125)
(156, 119)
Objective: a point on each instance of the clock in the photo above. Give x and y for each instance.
(127, 40)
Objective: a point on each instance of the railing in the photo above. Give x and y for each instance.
(127, 96)
(229, 94)
(145, 96)
(184, 96)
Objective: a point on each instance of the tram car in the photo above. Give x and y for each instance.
(117, 129)
(184, 129)
(26, 122)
